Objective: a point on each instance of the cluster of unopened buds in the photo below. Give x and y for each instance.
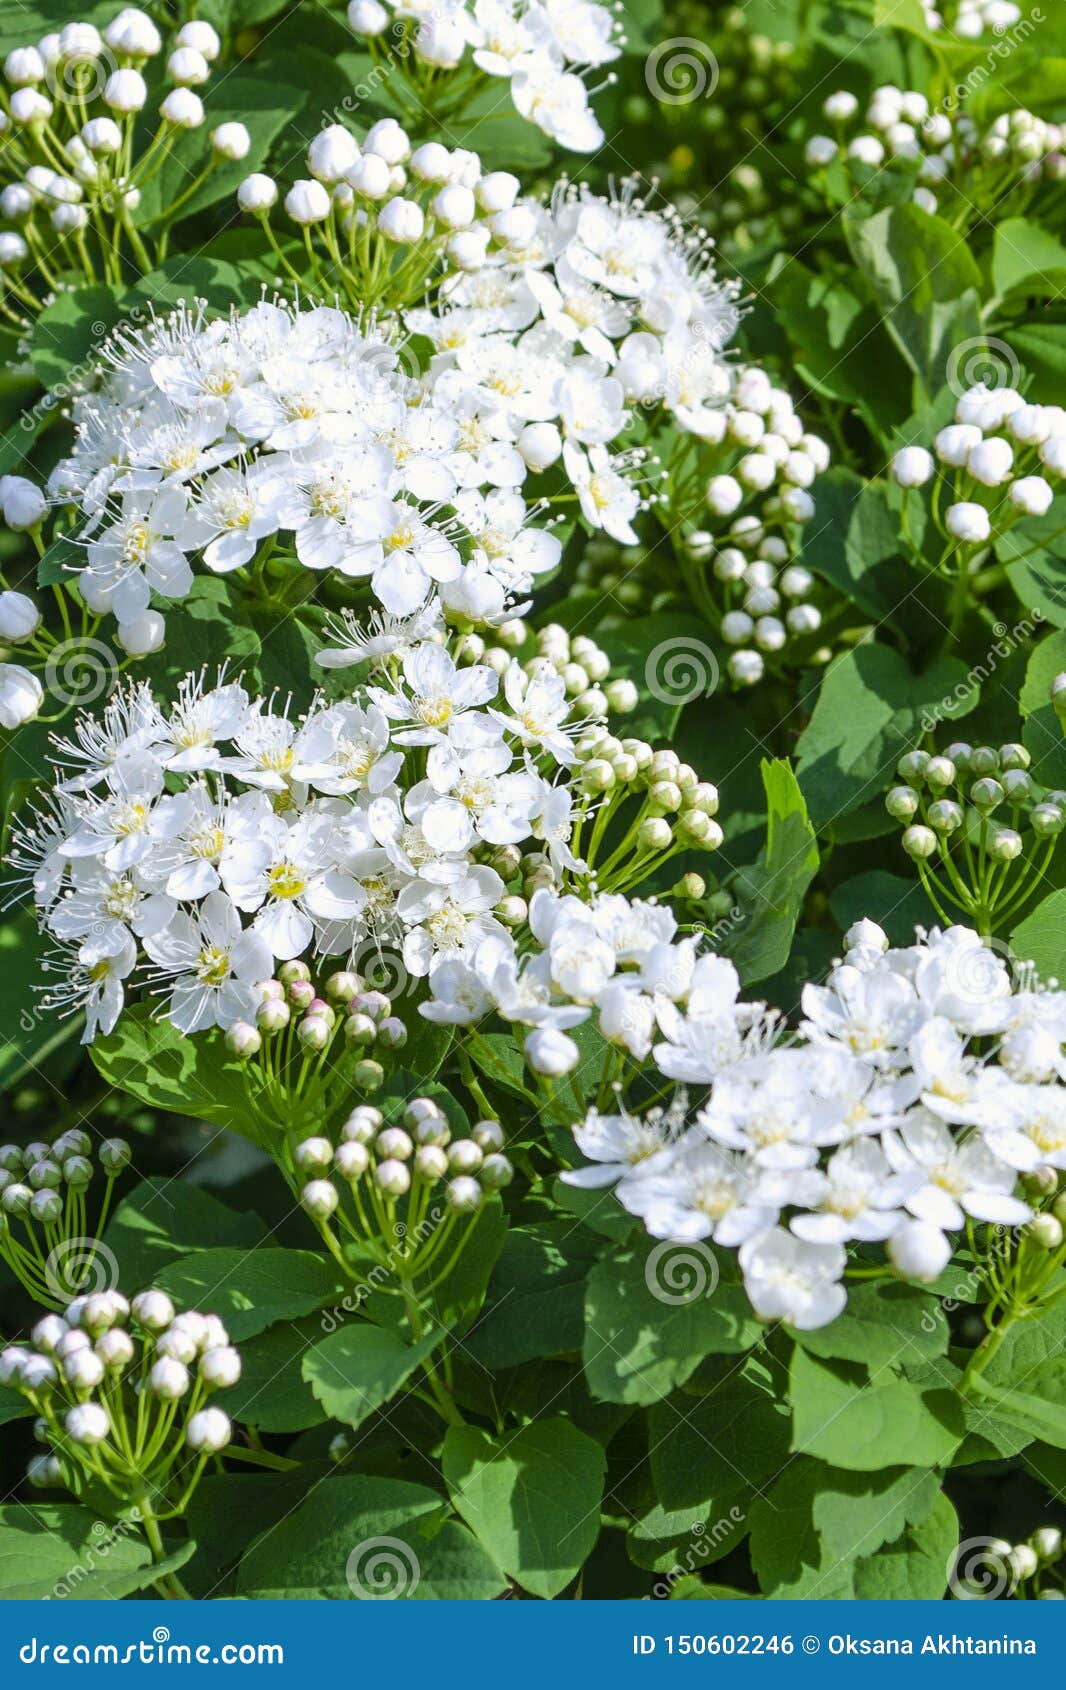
(75, 161)
(301, 1029)
(764, 454)
(386, 215)
(399, 1191)
(977, 826)
(764, 604)
(583, 667)
(945, 154)
(675, 810)
(46, 1236)
(542, 49)
(121, 1392)
(994, 465)
(970, 19)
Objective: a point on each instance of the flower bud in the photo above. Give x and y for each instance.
(551, 1052)
(168, 1378)
(496, 1172)
(918, 1251)
(231, 141)
(307, 202)
(114, 1155)
(220, 1368)
(464, 1195)
(208, 1431)
(313, 1155)
(87, 1424)
(1045, 1230)
(153, 1310)
(430, 1163)
(351, 1160)
(115, 1349)
(392, 1178)
(182, 109)
(257, 194)
(319, 1199)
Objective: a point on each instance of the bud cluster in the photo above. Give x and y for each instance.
(75, 162)
(46, 1238)
(954, 164)
(377, 1185)
(386, 215)
(583, 667)
(997, 463)
(979, 829)
(300, 1023)
(121, 1392)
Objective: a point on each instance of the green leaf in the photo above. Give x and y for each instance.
(871, 709)
(1027, 258)
(356, 1369)
(366, 1537)
(251, 1289)
(818, 1530)
(1041, 937)
(926, 283)
(885, 1324)
(916, 1567)
(864, 1424)
(1035, 557)
(638, 1347)
(532, 1499)
(1044, 734)
(536, 1297)
(151, 1060)
(68, 334)
(53, 1551)
(776, 886)
(856, 544)
(716, 1448)
(164, 1219)
(272, 1392)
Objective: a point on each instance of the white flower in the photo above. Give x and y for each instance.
(789, 1279)
(959, 1177)
(702, 1192)
(212, 966)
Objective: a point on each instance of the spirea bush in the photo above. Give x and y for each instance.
(533, 712)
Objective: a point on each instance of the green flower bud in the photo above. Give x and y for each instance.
(368, 1075)
(911, 767)
(313, 1155)
(77, 1171)
(1047, 820)
(496, 1172)
(1017, 786)
(655, 834)
(392, 1034)
(431, 1164)
(114, 1156)
(487, 1135)
(45, 1176)
(902, 803)
(1014, 756)
(919, 842)
(945, 815)
(351, 1161)
(394, 1144)
(464, 1157)
(1005, 846)
(960, 753)
(359, 1030)
(319, 1199)
(291, 972)
(46, 1206)
(984, 760)
(986, 794)
(940, 773)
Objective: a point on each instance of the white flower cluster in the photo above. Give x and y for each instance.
(921, 1086)
(618, 957)
(899, 127)
(1000, 460)
(78, 1372)
(970, 19)
(386, 213)
(599, 313)
(203, 844)
(214, 439)
(68, 116)
(542, 47)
